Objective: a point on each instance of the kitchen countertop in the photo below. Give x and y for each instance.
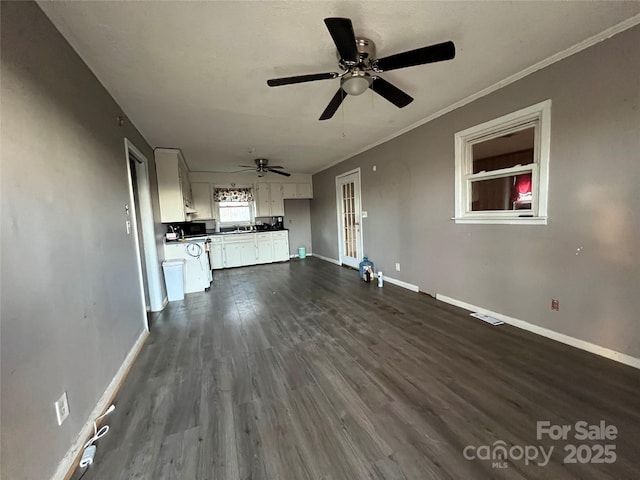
(242, 232)
(201, 238)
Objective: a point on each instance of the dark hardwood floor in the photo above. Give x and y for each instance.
(301, 371)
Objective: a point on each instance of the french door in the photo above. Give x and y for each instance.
(349, 218)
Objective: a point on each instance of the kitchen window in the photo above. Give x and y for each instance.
(502, 169)
(234, 206)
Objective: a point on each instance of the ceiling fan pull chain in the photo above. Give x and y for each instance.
(344, 135)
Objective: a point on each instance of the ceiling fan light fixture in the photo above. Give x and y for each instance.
(356, 83)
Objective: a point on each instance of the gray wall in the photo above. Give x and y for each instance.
(71, 307)
(297, 219)
(515, 270)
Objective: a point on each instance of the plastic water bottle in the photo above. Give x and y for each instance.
(380, 281)
(363, 265)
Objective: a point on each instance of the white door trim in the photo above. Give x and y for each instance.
(358, 192)
(154, 277)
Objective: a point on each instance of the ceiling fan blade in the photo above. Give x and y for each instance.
(274, 166)
(276, 82)
(279, 172)
(390, 92)
(341, 30)
(333, 104)
(247, 166)
(420, 56)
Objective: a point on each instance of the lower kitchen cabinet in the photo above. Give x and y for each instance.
(239, 250)
(217, 254)
(249, 249)
(264, 247)
(232, 255)
(280, 246)
(248, 253)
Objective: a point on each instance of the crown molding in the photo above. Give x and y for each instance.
(578, 47)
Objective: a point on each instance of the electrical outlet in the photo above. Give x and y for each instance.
(397, 267)
(555, 304)
(62, 408)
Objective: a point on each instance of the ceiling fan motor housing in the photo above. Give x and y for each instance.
(366, 55)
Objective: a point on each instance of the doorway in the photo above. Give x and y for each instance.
(141, 218)
(349, 218)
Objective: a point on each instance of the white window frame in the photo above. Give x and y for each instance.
(252, 208)
(538, 116)
(240, 224)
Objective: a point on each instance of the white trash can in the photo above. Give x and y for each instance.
(174, 278)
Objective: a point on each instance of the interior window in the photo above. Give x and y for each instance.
(502, 169)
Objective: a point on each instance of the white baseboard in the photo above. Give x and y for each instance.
(400, 283)
(165, 300)
(545, 332)
(327, 259)
(70, 457)
(296, 255)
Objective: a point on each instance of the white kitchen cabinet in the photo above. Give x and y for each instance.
(248, 252)
(217, 254)
(296, 190)
(269, 200)
(280, 246)
(174, 189)
(262, 200)
(202, 201)
(245, 249)
(232, 254)
(264, 248)
(197, 276)
(305, 190)
(277, 200)
(239, 250)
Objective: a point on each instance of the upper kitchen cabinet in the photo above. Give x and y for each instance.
(202, 201)
(296, 190)
(174, 188)
(269, 200)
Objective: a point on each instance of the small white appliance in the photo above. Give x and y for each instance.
(195, 252)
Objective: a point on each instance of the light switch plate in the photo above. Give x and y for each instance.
(62, 408)
(364, 214)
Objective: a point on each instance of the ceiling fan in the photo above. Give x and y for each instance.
(357, 57)
(262, 167)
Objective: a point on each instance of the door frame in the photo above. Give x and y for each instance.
(147, 230)
(358, 192)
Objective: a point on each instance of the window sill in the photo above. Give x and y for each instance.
(503, 220)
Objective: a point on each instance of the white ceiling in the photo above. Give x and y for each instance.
(192, 75)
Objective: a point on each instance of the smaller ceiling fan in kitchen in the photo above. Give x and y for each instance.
(262, 167)
(357, 58)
